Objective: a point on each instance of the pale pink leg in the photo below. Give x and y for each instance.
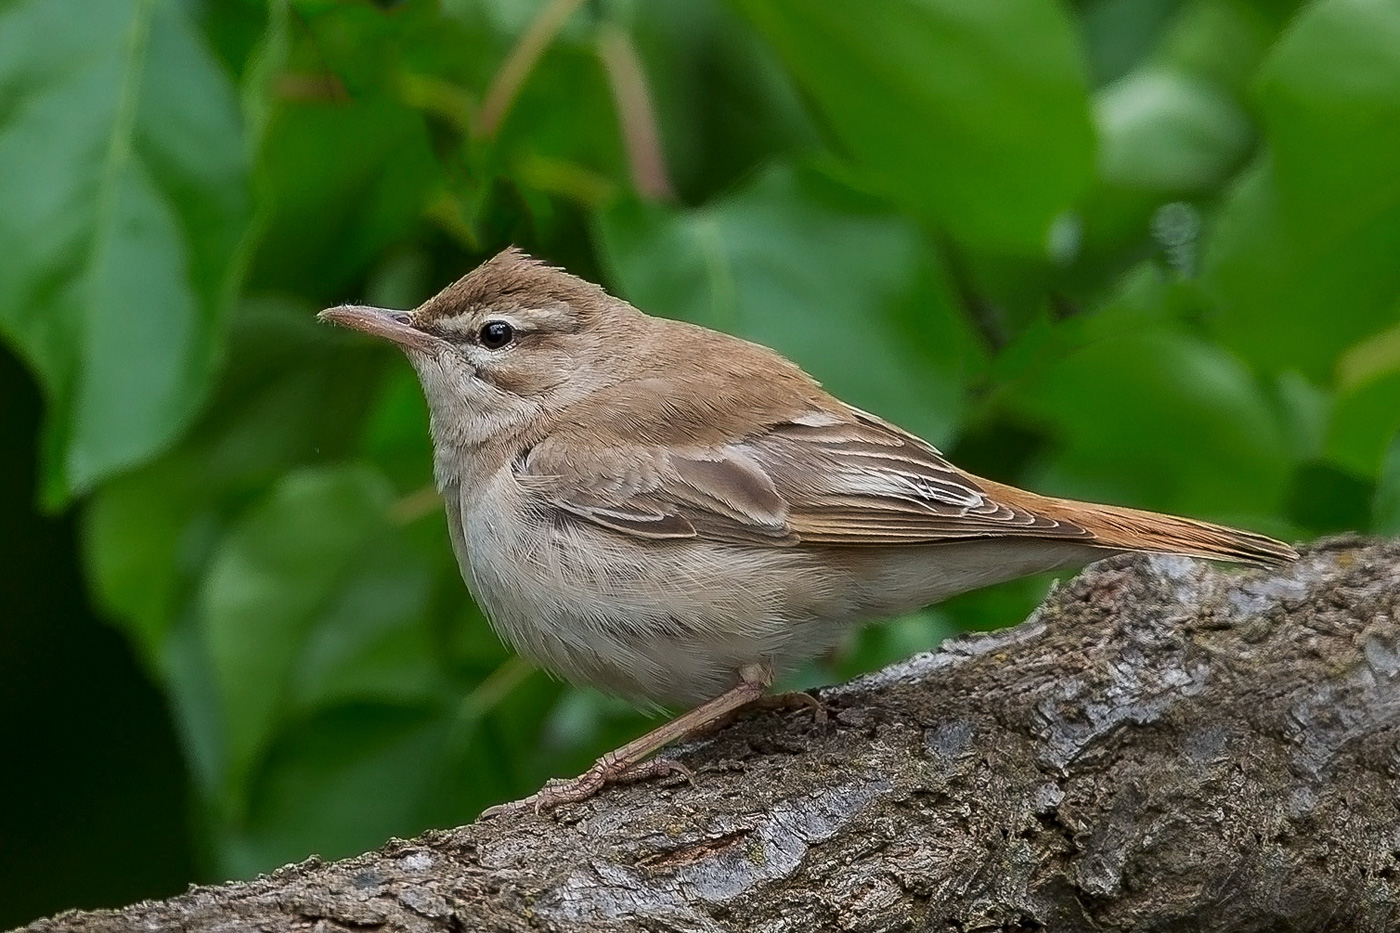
(628, 763)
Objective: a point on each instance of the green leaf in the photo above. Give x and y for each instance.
(724, 102)
(1222, 42)
(398, 437)
(1302, 261)
(973, 114)
(339, 783)
(295, 394)
(1176, 125)
(1325, 499)
(1119, 33)
(1208, 424)
(123, 178)
(368, 641)
(269, 582)
(1366, 413)
(345, 179)
(1144, 413)
(1168, 131)
(145, 535)
(1385, 507)
(365, 715)
(1363, 421)
(795, 264)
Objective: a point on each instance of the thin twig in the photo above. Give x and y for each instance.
(640, 133)
(310, 87)
(520, 62)
(415, 505)
(986, 317)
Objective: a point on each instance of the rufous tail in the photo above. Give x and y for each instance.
(1134, 529)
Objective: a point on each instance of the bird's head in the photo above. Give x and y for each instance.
(510, 342)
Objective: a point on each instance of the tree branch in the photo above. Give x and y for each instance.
(1162, 745)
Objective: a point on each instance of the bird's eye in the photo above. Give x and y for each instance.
(496, 334)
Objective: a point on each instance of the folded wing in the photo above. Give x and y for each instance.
(819, 478)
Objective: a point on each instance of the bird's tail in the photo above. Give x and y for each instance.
(1120, 528)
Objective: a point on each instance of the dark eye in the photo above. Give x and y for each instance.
(496, 334)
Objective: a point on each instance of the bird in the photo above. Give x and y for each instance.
(677, 516)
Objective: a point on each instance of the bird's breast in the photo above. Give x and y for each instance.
(657, 621)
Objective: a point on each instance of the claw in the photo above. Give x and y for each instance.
(794, 701)
(632, 763)
(559, 791)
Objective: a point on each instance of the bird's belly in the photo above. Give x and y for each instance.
(664, 622)
(672, 621)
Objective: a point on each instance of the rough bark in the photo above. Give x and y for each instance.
(1163, 745)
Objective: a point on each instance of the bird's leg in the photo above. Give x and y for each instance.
(629, 763)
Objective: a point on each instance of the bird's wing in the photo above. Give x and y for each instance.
(817, 478)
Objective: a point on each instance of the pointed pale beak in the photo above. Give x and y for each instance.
(393, 326)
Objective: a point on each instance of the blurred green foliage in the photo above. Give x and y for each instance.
(1137, 250)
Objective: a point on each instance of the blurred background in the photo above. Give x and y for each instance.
(1144, 251)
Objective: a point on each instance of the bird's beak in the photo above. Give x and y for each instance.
(393, 326)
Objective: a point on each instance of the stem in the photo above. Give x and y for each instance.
(640, 133)
(520, 62)
(415, 505)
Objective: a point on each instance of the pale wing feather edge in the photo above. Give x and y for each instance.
(840, 483)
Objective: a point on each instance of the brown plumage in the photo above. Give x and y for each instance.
(1122, 528)
(671, 513)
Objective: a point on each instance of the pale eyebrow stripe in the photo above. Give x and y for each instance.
(529, 320)
(557, 317)
(552, 318)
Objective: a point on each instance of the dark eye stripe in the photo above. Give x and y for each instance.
(431, 327)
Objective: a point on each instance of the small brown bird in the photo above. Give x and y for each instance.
(674, 515)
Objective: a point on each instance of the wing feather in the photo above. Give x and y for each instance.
(817, 478)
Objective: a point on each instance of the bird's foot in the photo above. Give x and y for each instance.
(633, 762)
(793, 701)
(559, 791)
